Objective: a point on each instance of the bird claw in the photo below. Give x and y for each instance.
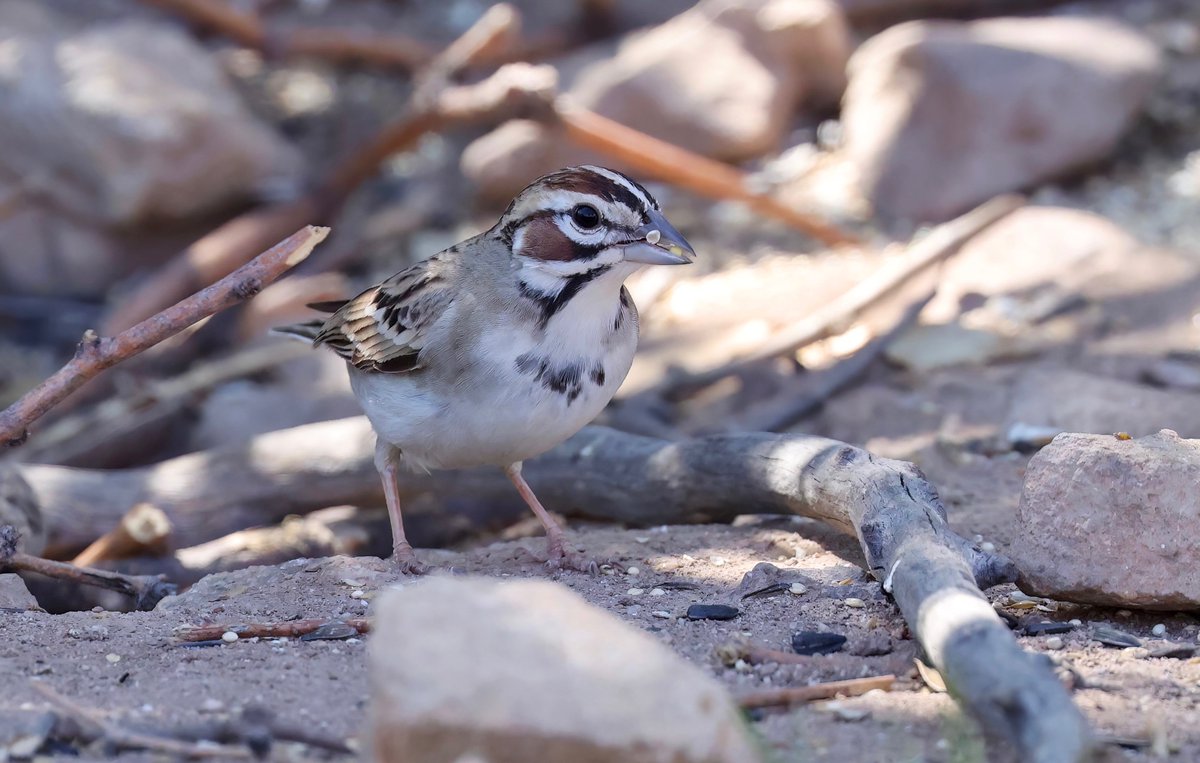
(560, 556)
(406, 561)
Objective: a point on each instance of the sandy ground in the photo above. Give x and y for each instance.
(131, 666)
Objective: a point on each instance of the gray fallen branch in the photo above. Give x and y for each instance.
(934, 574)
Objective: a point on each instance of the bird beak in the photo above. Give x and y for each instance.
(658, 243)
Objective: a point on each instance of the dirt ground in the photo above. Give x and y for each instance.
(131, 666)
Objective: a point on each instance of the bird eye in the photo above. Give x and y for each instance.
(585, 216)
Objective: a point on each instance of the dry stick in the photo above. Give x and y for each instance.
(934, 574)
(794, 695)
(689, 170)
(781, 414)
(143, 531)
(336, 45)
(95, 354)
(285, 629)
(878, 13)
(227, 247)
(124, 739)
(942, 242)
(145, 590)
(82, 432)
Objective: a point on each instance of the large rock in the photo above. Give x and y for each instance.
(109, 126)
(722, 79)
(940, 116)
(510, 672)
(1109, 521)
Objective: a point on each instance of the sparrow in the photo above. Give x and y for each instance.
(503, 346)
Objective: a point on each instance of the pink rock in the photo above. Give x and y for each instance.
(941, 116)
(1104, 520)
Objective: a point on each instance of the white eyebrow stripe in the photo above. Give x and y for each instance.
(620, 179)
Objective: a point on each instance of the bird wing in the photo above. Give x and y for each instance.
(385, 328)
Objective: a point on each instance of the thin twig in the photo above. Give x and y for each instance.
(331, 44)
(95, 353)
(938, 245)
(686, 169)
(285, 629)
(122, 738)
(145, 590)
(779, 415)
(800, 694)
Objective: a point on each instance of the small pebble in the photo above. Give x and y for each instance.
(661, 614)
(356, 594)
(1076, 622)
(1054, 642)
(718, 561)
(1159, 630)
(641, 539)
(712, 612)
(1124, 613)
(854, 602)
(97, 609)
(229, 637)
(798, 588)
(817, 642)
(987, 547)
(635, 591)
(212, 705)
(741, 666)
(657, 592)
(633, 572)
(113, 658)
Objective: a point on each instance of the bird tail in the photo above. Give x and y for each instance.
(309, 330)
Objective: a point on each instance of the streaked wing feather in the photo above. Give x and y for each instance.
(385, 328)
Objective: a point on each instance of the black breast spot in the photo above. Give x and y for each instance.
(566, 379)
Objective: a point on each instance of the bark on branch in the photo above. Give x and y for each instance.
(934, 574)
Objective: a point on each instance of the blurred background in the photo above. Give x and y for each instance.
(147, 148)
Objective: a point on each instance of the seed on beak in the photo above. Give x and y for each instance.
(653, 236)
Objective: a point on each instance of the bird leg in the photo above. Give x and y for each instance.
(403, 557)
(558, 551)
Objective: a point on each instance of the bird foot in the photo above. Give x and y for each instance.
(406, 561)
(560, 555)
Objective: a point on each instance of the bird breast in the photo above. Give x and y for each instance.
(515, 395)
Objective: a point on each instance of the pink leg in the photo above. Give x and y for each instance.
(559, 552)
(402, 552)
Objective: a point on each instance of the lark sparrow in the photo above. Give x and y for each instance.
(503, 346)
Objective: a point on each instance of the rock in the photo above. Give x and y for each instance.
(128, 121)
(106, 126)
(1111, 521)
(19, 507)
(722, 79)
(1070, 401)
(712, 612)
(14, 595)
(817, 642)
(925, 348)
(940, 116)
(526, 670)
